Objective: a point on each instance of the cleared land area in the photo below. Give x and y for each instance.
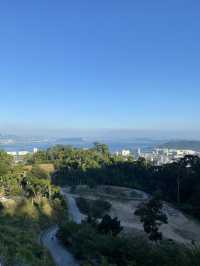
(125, 201)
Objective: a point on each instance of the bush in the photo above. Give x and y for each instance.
(90, 246)
(110, 225)
(94, 208)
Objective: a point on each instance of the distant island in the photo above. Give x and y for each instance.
(70, 140)
(182, 144)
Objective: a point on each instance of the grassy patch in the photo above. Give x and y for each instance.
(47, 167)
(21, 223)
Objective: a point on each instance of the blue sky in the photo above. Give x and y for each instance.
(100, 64)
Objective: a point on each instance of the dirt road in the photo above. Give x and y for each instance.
(61, 256)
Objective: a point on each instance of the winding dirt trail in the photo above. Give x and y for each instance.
(60, 255)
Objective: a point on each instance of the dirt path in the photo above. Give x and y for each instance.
(74, 212)
(61, 256)
(59, 253)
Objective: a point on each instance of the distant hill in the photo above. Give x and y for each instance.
(182, 144)
(70, 140)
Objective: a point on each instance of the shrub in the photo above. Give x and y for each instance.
(94, 248)
(94, 208)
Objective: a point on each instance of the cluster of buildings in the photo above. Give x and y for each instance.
(164, 156)
(19, 155)
(159, 156)
(124, 153)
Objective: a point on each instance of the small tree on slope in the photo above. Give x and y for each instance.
(152, 217)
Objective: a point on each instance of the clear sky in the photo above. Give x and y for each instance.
(100, 64)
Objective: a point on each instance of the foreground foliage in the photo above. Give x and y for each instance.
(28, 205)
(20, 226)
(95, 248)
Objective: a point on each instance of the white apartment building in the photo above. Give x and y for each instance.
(35, 150)
(23, 153)
(125, 152)
(13, 153)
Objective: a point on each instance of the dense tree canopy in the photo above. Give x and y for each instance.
(178, 182)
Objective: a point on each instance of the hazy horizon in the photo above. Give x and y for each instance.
(115, 134)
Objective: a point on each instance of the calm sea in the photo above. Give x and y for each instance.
(113, 145)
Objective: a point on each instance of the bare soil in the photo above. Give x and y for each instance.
(125, 201)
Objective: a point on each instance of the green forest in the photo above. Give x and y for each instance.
(32, 202)
(177, 182)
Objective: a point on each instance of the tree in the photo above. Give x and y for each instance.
(101, 148)
(5, 163)
(184, 166)
(1, 207)
(109, 225)
(152, 217)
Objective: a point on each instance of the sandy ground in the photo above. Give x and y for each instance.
(124, 203)
(179, 227)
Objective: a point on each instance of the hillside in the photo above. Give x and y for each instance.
(182, 144)
(29, 204)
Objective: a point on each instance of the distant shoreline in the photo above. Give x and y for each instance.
(113, 146)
